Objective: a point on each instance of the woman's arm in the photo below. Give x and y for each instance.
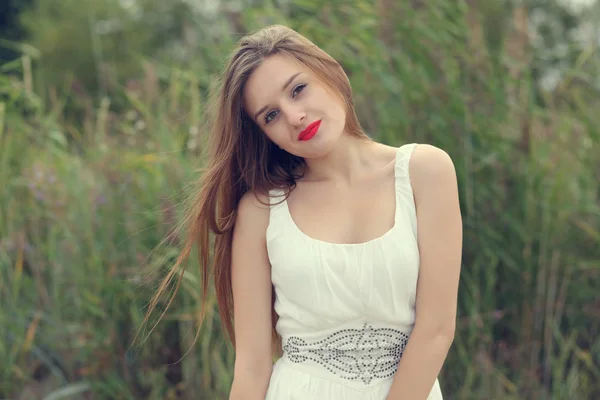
(251, 285)
(439, 226)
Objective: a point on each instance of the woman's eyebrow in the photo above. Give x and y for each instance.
(287, 83)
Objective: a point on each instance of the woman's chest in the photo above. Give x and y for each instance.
(344, 216)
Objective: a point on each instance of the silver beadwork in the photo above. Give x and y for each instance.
(353, 354)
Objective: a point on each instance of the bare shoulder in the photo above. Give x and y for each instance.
(251, 222)
(253, 209)
(431, 169)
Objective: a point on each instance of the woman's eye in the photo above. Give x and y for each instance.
(298, 89)
(270, 115)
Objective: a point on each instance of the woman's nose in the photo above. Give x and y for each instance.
(296, 116)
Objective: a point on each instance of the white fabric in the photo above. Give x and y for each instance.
(343, 308)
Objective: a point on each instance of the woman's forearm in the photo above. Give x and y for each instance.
(419, 367)
(250, 386)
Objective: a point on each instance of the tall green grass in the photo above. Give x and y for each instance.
(90, 186)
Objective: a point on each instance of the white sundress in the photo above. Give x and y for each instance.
(346, 311)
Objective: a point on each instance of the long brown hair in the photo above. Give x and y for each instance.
(241, 158)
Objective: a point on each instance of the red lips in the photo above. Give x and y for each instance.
(309, 131)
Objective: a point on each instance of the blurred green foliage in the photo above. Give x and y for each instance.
(100, 136)
(10, 28)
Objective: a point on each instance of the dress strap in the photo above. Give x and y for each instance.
(403, 155)
(278, 219)
(276, 196)
(404, 192)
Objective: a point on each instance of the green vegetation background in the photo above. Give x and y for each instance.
(101, 136)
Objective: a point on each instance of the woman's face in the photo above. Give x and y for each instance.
(284, 98)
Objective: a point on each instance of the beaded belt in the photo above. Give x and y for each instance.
(352, 354)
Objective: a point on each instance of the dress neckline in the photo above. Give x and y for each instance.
(359, 244)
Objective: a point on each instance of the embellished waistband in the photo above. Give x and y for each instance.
(360, 355)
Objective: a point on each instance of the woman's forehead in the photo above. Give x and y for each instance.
(268, 79)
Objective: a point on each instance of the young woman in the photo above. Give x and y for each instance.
(343, 251)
